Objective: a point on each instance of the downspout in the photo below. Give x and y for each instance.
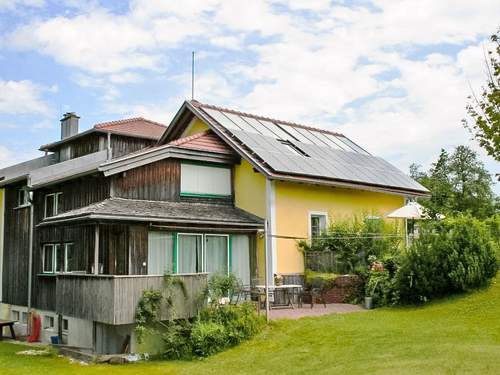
(30, 256)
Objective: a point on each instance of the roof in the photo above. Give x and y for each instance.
(21, 171)
(204, 141)
(290, 151)
(159, 211)
(134, 127)
(137, 127)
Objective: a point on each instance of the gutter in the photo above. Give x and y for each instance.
(147, 219)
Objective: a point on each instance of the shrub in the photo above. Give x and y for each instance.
(176, 339)
(207, 338)
(449, 256)
(221, 286)
(352, 242)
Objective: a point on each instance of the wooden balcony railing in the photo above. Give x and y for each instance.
(113, 299)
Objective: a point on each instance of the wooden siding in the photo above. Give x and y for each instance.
(82, 146)
(77, 193)
(82, 236)
(114, 299)
(138, 249)
(159, 181)
(121, 145)
(16, 250)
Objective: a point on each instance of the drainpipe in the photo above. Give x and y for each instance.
(30, 256)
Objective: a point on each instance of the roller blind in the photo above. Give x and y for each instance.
(205, 180)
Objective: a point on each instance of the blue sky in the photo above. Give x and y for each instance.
(393, 76)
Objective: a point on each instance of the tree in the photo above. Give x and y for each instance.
(459, 183)
(485, 110)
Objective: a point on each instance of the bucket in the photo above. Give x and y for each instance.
(368, 303)
(54, 340)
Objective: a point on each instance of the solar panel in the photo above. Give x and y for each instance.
(351, 144)
(221, 119)
(245, 126)
(329, 156)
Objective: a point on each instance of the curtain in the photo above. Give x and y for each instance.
(241, 257)
(216, 254)
(189, 253)
(160, 253)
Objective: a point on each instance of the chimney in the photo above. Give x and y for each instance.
(69, 125)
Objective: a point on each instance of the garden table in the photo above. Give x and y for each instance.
(7, 323)
(289, 291)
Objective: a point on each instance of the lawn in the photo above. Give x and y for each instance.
(457, 335)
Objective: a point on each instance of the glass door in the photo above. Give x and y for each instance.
(189, 253)
(160, 253)
(217, 253)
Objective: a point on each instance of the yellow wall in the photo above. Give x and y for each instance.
(294, 201)
(196, 126)
(250, 195)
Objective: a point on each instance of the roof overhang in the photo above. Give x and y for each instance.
(163, 152)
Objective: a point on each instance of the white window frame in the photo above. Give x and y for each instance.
(51, 320)
(26, 200)
(54, 257)
(66, 256)
(62, 323)
(25, 317)
(56, 203)
(16, 315)
(316, 213)
(204, 249)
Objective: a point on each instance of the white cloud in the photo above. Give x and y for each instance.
(13, 4)
(393, 75)
(22, 97)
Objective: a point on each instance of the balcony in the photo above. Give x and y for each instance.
(113, 299)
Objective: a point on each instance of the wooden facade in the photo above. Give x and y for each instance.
(16, 248)
(105, 290)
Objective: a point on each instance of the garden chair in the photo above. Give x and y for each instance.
(316, 290)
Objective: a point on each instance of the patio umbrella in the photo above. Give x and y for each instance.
(410, 211)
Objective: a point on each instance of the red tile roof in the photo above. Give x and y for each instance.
(134, 127)
(204, 141)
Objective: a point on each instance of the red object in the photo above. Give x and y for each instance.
(35, 329)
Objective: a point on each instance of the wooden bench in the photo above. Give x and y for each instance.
(7, 323)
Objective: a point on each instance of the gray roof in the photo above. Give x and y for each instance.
(159, 211)
(22, 170)
(284, 149)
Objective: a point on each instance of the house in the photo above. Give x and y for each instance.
(107, 212)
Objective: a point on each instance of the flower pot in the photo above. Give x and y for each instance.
(368, 303)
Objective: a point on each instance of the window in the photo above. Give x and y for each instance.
(190, 253)
(216, 253)
(160, 253)
(53, 204)
(48, 258)
(205, 181)
(48, 322)
(22, 197)
(24, 317)
(65, 325)
(317, 224)
(70, 260)
(59, 258)
(15, 315)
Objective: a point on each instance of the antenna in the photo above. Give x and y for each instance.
(192, 76)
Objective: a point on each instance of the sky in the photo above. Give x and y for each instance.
(394, 76)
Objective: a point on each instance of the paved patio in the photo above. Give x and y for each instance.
(317, 310)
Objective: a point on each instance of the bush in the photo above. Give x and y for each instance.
(352, 242)
(452, 255)
(177, 340)
(207, 338)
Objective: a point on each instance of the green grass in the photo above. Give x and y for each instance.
(459, 335)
